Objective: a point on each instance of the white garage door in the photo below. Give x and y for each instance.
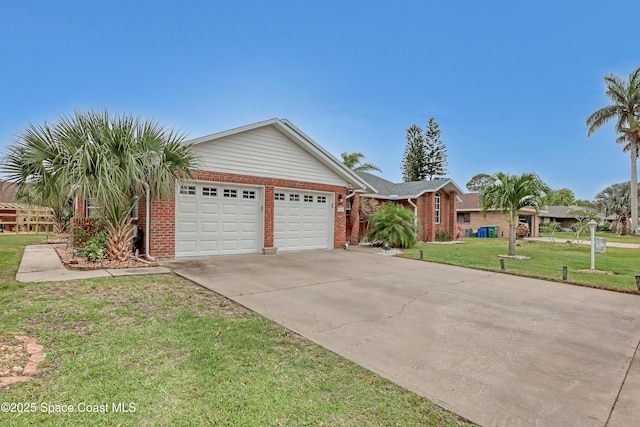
(302, 220)
(217, 219)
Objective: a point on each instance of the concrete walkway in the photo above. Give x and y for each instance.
(586, 241)
(497, 349)
(41, 263)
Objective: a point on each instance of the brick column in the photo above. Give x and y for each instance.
(268, 216)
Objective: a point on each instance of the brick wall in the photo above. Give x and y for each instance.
(495, 218)
(162, 227)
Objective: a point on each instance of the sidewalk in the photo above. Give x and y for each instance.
(40, 263)
(586, 241)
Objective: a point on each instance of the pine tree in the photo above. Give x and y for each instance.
(414, 158)
(436, 152)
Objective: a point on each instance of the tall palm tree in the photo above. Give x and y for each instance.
(111, 160)
(626, 110)
(510, 193)
(353, 162)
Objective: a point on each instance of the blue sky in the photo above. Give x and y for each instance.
(510, 83)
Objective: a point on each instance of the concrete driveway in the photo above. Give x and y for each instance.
(494, 348)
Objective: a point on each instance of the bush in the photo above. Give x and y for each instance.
(83, 229)
(549, 227)
(94, 249)
(606, 226)
(443, 236)
(394, 226)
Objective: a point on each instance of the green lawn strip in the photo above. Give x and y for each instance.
(11, 249)
(186, 356)
(546, 261)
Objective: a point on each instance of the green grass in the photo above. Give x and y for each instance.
(546, 261)
(183, 355)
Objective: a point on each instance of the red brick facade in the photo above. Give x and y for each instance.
(162, 223)
(425, 205)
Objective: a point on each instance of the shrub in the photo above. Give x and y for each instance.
(394, 226)
(549, 227)
(93, 249)
(606, 226)
(83, 229)
(443, 236)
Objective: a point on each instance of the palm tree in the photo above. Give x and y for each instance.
(510, 193)
(616, 200)
(626, 110)
(394, 225)
(111, 160)
(352, 161)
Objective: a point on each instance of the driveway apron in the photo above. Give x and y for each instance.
(494, 348)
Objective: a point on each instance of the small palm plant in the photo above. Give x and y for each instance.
(394, 226)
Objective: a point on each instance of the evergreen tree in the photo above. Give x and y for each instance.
(414, 158)
(436, 152)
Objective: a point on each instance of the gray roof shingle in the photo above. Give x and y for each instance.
(403, 189)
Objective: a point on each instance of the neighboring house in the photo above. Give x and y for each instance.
(563, 215)
(433, 202)
(257, 188)
(21, 217)
(469, 216)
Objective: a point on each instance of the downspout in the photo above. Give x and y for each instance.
(147, 224)
(415, 211)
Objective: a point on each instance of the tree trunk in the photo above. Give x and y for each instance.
(119, 239)
(634, 185)
(512, 240)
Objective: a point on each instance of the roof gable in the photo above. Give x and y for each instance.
(277, 149)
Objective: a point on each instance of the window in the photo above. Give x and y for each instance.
(233, 194)
(437, 208)
(464, 217)
(189, 190)
(91, 209)
(322, 199)
(248, 194)
(278, 196)
(209, 191)
(308, 198)
(294, 197)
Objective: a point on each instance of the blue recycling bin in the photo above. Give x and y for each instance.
(483, 232)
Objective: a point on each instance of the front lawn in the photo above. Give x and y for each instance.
(546, 260)
(172, 353)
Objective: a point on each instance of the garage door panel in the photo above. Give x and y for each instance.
(209, 227)
(230, 227)
(187, 227)
(209, 245)
(209, 208)
(189, 207)
(302, 221)
(229, 209)
(216, 220)
(187, 246)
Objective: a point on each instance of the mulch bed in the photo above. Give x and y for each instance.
(79, 263)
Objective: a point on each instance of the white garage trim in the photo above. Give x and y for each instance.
(303, 219)
(214, 218)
